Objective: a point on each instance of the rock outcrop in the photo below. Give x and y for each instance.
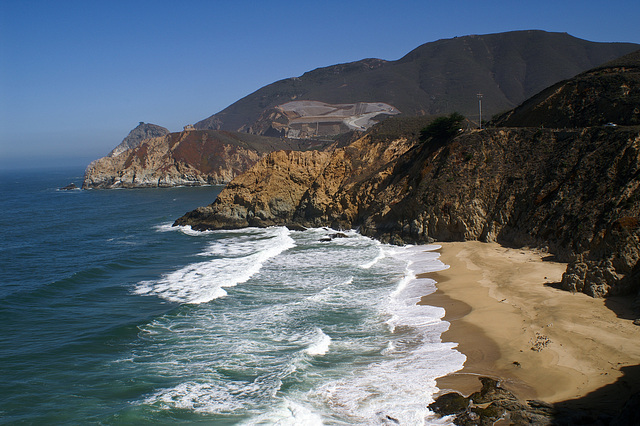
(135, 137)
(272, 192)
(190, 158)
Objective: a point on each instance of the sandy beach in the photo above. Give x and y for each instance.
(514, 323)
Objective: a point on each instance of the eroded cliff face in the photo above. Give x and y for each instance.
(575, 193)
(135, 137)
(198, 157)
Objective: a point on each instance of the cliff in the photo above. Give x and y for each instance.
(187, 158)
(573, 192)
(435, 78)
(136, 136)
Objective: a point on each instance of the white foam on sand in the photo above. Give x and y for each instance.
(399, 388)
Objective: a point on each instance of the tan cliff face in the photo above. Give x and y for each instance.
(575, 193)
(197, 157)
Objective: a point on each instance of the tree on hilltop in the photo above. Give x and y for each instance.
(442, 128)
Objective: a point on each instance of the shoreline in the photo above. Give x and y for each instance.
(514, 324)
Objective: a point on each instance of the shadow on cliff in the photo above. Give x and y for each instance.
(615, 404)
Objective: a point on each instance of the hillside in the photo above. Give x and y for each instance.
(196, 157)
(607, 94)
(517, 186)
(435, 78)
(572, 192)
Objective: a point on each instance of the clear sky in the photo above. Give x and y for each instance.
(77, 76)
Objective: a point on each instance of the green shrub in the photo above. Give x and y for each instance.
(442, 128)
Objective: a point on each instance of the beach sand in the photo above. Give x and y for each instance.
(512, 321)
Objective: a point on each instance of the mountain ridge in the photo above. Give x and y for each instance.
(607, 94)
(437, 77)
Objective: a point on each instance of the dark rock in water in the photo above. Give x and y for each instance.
(490, 404)
(69, 187)
(450, 403)
(493, 403)
(332, 236)
(339, 235)
(295, 227)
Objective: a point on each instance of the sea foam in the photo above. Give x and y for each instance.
(398, 388)
(321, 345)
(204, 281)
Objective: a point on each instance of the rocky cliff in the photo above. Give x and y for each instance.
(136, 136)
(573, 192)
(196, 157)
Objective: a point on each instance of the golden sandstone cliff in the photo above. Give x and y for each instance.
(574, 192)
(190, 158)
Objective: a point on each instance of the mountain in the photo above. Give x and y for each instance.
(607, 94)
(435, 78)
(191, 157)
(136, 136)
(573, 192)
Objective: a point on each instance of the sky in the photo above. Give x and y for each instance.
(77, 76)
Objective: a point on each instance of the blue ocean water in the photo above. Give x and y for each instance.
(112, 316)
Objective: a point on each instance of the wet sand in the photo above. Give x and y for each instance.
(512, 321)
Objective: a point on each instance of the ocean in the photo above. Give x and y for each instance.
(112, 316)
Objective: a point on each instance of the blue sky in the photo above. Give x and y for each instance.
(77, 76)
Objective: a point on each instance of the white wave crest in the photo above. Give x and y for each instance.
(202, 282)
(185, 229)
(321, 345)
(381, 255)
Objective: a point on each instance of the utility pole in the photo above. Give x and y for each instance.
(480, 109)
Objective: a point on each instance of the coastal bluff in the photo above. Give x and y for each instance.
(574, 193)
(187, 158)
